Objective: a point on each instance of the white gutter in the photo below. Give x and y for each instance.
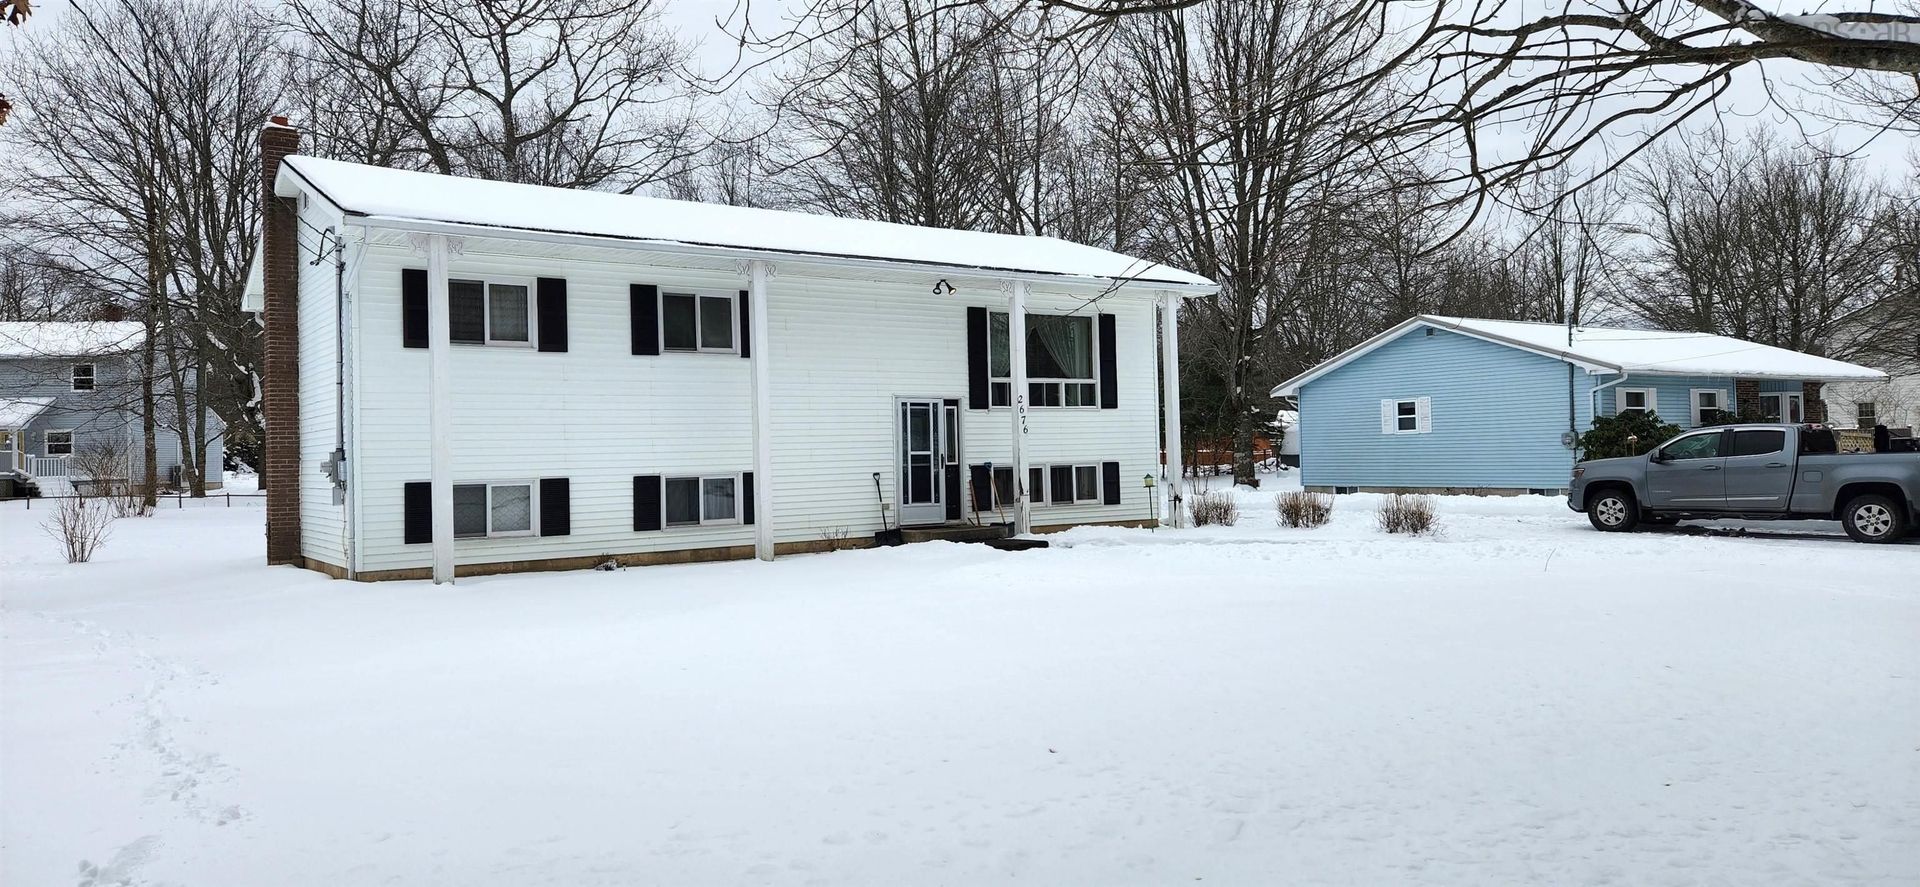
(564, 238)
(1593, 408)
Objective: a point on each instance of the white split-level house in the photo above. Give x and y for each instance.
(518, 377)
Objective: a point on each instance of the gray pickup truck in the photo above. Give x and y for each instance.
(1753, 472)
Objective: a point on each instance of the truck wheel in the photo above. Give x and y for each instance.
(1874, 518)
(1613, 511)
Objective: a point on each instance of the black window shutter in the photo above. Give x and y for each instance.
(646, 502)
(413, 307)
(417, 513)
(1109, 370)
(746, 329)
(1110, 483)
(978, 389)
(644, 311)
(1062, 482)
(552, 312)
(556, 507)
(746, 498)
(982, 480)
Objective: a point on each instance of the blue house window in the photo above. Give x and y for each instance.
(1412, 415)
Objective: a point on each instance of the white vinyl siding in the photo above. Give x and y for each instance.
(599, 415)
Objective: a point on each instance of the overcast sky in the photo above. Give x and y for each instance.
(1746, 108)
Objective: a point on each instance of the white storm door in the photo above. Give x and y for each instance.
(922, 497)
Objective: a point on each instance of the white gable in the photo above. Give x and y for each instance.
(400, 195)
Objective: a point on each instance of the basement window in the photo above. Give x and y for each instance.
(699, 501)
(493, 510)
(490, 312)
(1066, 484)
(697, 322)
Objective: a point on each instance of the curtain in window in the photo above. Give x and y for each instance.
(1059, 347)
(718, 494)
(507, 312)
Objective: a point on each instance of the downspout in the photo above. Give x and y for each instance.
(1595, 394)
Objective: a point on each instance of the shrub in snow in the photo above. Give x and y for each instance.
(836, 538)
(1407, 513)
(1209, 507)
(1303, 509)
(1628, 434)
(110, 478)
(80, 526)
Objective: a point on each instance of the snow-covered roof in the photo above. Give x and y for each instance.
(1614, 351)
(396, 195)
(69, 338)
(16, 412)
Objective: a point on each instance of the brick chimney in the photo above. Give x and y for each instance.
(280, 364)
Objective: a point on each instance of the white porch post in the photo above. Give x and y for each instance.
(1017, 355)
(440, 408)
(1170, 401)
(757, 312)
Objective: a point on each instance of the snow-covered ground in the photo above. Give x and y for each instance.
(1517, 700)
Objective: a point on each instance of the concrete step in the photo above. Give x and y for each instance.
(957, 532)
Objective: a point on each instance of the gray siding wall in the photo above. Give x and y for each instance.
(109, 414)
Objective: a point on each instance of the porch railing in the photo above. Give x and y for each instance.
(49, 466)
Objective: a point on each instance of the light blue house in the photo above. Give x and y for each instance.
(1454, 404)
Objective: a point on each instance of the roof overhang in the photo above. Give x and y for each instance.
(1291, 387)
(291, 178)
(16, 412)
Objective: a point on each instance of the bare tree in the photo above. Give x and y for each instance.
(569, 93)
(1766, 243)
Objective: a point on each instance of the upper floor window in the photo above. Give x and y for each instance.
(690, 322)
(83, 377)
(1060, 360)
(490, 312)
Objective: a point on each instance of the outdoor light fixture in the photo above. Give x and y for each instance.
(1153, 503)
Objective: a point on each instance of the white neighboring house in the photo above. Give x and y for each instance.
(517, 377)
(1894, 403)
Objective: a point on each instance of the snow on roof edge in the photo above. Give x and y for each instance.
(326, 179)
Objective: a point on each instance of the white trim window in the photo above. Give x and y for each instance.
(496, 509)
(60, 442)
(699, 322)
(1406, 415)
(1065, 484)
(491, 311)
(1866, 413)
(1635, 400)
(1704, 400)
(1063, 360)
(83, 377)
(699, 500)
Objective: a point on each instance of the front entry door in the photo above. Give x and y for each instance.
(922, 462)
(1783, 407)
